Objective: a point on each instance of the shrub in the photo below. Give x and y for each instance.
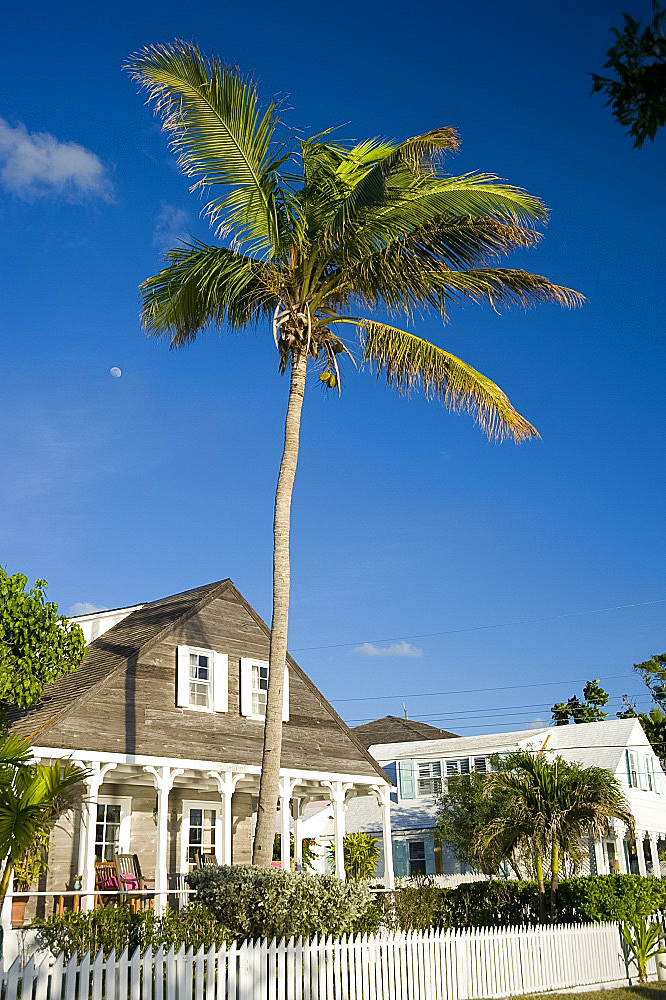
(115, 927)
(360, 855)
(268, 902)
(501, 903)
(623, 898)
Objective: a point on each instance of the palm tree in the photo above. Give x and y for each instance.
(552, 805)
(32, 796)
(322, 237)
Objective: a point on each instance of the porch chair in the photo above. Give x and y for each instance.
(106, 877)
(130, 878)
(207, 860)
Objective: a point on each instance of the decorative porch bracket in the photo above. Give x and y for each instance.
(163, 778)
(226, 783)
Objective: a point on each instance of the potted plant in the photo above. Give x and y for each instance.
(27, 871)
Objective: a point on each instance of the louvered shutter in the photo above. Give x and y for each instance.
(285, 696)
(406, 781)
(628, 759)
(220, 682)
(183, 677)
(429, 848)
(246, 686)
(400, 858)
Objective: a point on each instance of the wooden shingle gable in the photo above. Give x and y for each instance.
(123, 697)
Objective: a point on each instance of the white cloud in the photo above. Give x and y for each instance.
(36, 165)
(84, 608)
(397, 649)
(170, 227)
(537, 724)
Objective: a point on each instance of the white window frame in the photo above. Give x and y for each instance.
(219, 681)
(246, 665)
(202, 804)
(125, 803)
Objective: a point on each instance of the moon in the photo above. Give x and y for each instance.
(116, 372)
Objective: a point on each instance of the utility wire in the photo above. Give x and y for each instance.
(483, 628)
(503, 687)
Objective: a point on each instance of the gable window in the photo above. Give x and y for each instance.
(259, 688)
(430, 777)
(202, 681)
(254, 689)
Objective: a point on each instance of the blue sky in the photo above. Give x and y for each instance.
(406, 522)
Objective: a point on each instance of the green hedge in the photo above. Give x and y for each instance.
(115, 927)
(501, 903)
(268, 902)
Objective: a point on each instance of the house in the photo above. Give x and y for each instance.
(166, 712)
(419, 771)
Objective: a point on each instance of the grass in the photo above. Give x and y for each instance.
(649, 990)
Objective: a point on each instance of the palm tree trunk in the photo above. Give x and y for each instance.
(554, 881)
(542, 890)
(262, 853)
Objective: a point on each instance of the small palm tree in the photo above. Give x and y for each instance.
(644, 941)
(32, 796)
(322, 237)
(553, 804)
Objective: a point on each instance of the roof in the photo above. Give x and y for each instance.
(132, 637)
(393, 729)
(599, 744)
(111, 650)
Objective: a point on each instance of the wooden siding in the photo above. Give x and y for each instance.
(134, 709)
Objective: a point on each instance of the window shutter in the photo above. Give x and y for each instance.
(391, 772)
(656, 770)
(400, 858)
(429, 846)
(285, 696)
(246, 686)
(220, 682)
(183, 677)
(406, 780)
(626, 754)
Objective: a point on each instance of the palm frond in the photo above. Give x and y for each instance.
(409, 362)
(411, 205)
(212, 115)
(203, 285)
(367, 169)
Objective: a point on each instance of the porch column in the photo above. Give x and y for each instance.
(620, 855)
(286, 787)
(163, 778)
(339, 791)
(383, 794)
(600, 857)
(226, 784)
(640, 851)
(297, 815)
(654, 852)
(92, 783)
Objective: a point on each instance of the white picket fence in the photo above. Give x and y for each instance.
(437, 965)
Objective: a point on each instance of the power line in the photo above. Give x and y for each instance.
(503, 687)
(489, 711)
(483, 628)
